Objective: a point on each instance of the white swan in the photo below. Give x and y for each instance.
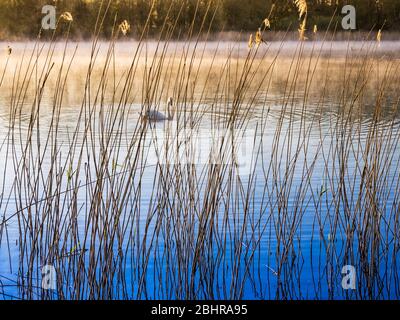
(154, 115)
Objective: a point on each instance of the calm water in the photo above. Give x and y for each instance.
(299, 211)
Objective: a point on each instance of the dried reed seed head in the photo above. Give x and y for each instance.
(124, 27)
(301, 7)
(67, 16)
(258, 37)
(250, 44)
(379, 35)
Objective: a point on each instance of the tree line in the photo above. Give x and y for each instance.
(22, 18)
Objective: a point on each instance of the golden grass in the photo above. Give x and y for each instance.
(302, 10)
(124, 27)
(302, 7)
(67, 16)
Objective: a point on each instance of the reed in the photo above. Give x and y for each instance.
(122, 208)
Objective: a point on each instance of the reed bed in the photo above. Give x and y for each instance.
(122, 209)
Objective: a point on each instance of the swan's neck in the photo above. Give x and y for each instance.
(170, 115)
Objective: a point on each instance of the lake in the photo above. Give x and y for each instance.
(277, 178)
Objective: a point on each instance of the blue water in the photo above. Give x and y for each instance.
(238, 263)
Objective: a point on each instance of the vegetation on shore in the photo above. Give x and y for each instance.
(21, 19)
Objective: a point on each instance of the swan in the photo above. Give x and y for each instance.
(154, 115)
